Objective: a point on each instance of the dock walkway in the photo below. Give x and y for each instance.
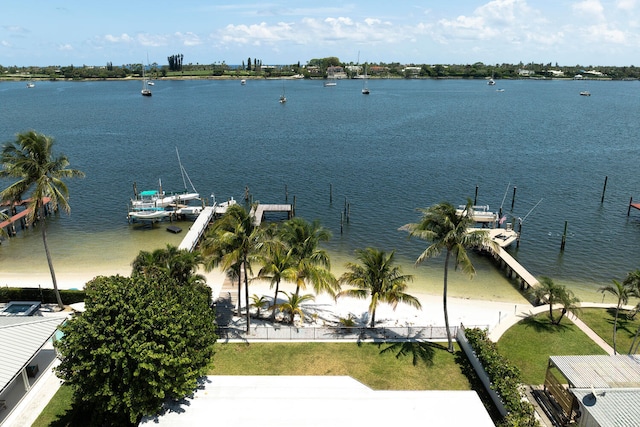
(259, 211)
(197, 229)
(527, 279)
(20, 216)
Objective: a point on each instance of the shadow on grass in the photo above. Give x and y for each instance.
(419, 351)
(467, 370)
(543, 324)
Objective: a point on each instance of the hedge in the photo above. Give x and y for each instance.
(44, 295)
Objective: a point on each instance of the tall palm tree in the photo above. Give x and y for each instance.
(31, 162)
(621, 292)
(277, 265)
(377, 277)
(312, 264)
(450, 232)
(233, 243)
(293, 304)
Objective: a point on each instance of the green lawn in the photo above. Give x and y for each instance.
(529, 344)
(364, 362)
(601, 321)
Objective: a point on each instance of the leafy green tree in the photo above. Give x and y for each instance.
(293, 305)
(141, 340)
(377, 277)
(621, 292)
(312, 264)
(553, 293)
(451, 232)
(233, 243)
(31, 162)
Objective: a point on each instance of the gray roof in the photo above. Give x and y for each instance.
(619, 371)
(20, 339)
(611, 407)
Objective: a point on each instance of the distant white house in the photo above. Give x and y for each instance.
(525, 73)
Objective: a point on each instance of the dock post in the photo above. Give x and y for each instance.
(286, 193)
(604, 189)
(348, 212)
(629, 208)
(293, 207)
(331, 194)
(475, 199)
(341, 222)
(564, 236)
(519, 233)
(513, 198)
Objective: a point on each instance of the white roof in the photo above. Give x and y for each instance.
(21, 338)
(317, 401)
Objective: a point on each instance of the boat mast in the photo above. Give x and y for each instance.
(184, 174)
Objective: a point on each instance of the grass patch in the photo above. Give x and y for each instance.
(364, 362)
(601, 321)
(530, 342)
(57, 410)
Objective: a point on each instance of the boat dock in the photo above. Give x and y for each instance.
(197, 229)
(258, 212)
(19, 217)
(515, 269)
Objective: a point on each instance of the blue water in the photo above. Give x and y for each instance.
(409, 144)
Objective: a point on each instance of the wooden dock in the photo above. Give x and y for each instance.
(258, 212)
(514, 269)
(20, 217)
(197, 229)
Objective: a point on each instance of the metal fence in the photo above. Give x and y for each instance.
(338, 333)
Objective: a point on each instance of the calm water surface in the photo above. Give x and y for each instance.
(409, 144)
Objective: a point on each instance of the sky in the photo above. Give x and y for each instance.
(278, 32)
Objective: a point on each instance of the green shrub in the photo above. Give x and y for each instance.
(505, 379)
(44, 295)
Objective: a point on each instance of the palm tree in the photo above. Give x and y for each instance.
(632, 282)
(312, 264)
(179, 264)
(552, 293)
(378, 278)
(450, 232)
(621, 292)
(30, 160)
(293, 304)
(277, 265)
(258, 302)
(232, 243)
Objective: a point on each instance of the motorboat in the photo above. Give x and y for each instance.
(585, 93)
(243, 82)
(491, 82)
(479, 214)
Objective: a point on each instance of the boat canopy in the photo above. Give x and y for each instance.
(149, 193)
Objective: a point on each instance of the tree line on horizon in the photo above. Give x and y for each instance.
(477, 70)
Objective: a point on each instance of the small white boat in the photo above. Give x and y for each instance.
(585, 93)
(491, 82)
(151, 83)
(243, 82)
(30, 85)
(479, 214)
(365, 88)
(145, 85)
(149, 214)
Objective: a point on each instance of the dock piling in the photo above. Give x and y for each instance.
(475, 199)
(564, 236)
(330, 194)
(513, 198)
(604, 188)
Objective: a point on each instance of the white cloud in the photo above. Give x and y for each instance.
(592, 8)
(65, 47)
(5, 43)
(123, 38)
(188, 39)
(627, 5)
(15, 29)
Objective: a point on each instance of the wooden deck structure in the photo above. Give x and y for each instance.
(197, 229)
(20, 217)
(258, 211)
(632, 205)
(514, 269)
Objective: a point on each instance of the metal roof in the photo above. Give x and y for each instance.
(317, 401)
(20, 339)
(611, 407)
(619, 371)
